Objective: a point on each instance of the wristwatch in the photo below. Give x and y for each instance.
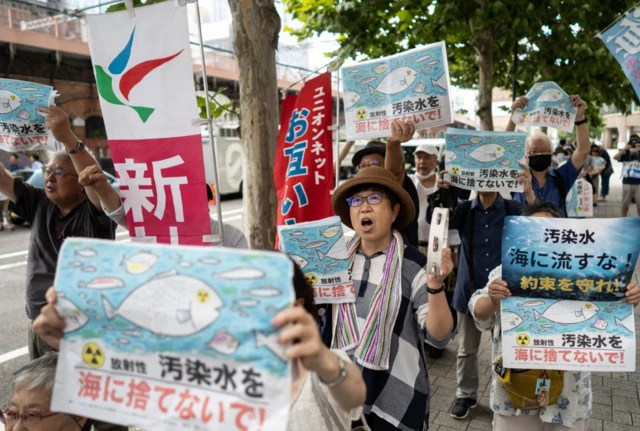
(341, 377)
(79, 148)
(581, 122)
(435, 291)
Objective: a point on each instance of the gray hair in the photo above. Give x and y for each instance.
(37, 374)
(62, 156)
(539, 135)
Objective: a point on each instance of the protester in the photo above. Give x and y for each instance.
(93, 178)
(391, 157)
(630, 186)
(330, 370)
(60, 211)
(4, 210)
(35, 162)
(594, 170)
(31, 391)
(605, 175)
(397, 306)
(13, 163)
(480, 223)
(573, 408)
(549, 184)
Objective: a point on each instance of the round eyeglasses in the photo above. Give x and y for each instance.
(29, 419)
(372, 199)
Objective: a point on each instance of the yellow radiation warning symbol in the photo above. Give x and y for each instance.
(522, 340)
(93, 355)
(203, 296)
(455, 170)
(312, 279)
(361, 114)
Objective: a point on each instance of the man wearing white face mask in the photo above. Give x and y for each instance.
(426, 182)
(630, 158)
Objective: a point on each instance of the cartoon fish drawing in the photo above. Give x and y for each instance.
(132, 333)
(209, 260)
(381, 68)
(550, 95)
(38, 95)
(331, 231)
(487, 153)
(538, 87)
(27, 89)
(600, 324)
(316, 244)
(175, 257)
(92, 302)
(241, 273)
(24, 114)
(450, 156)
(354, 71)
(89, 269)
(548, 325)
(86, 252)
(505, 162)
(185, 264)
(421, 59)
(337, 251)
(140, 262)
(368, 80)
(475, 140)
(419, 88)
(395, 82)
(350, 98)
(9, 101)
(299, 260)
(568, 312)
(223, 343)
(264, 292)
(441, 82)
(297, 233)
(511, 141)
(271, 343)
(123, 340)
(103, 283)
(531, 304)
(431, 63)
(334, 264)
(76, 263)
(510, 320)
(248, 303)
(627, 322)
(189, 304)
(74, 318)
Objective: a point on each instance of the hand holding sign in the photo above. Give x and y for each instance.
(401, 132)
(633, 294)
(58, 122)
(520, 103)
(580, 106)
(49, 325)
(498, 290)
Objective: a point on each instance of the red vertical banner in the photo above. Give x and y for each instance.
(304, 156)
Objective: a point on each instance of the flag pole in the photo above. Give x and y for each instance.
(205, 83)
(337, 130)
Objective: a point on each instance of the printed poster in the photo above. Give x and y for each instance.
(22, 126)
(413, 85)
(559, 334)
(584, 260)
(579, 200)
(167, 338)
(548, 106)
(622, 39)
(320, 250)
(631, 169)
(147, 95)
(485, 161)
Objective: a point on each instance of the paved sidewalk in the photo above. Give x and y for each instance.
(616, 405)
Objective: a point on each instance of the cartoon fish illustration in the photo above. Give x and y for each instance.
(441, 82)
(132, 333)
(531, 304)
(337, 251)
(263, 292)
(350, 98)
(395, 82)
(431, 63)
(188, 303)
(297, 233)
(123, 340)
(475, 140)
(299, 260)
(209, 260)
(419, 88)
(140, 262)
(175, 257)
(316, 244)
(538, 87)
(568, 312)
(487, 153)
(271, 343)
(9, 101)
(89, 269)
(381, 68)
(248, 303)
(103, 283)
(241, 273)
(24, 114)
(368, 80)
(627, 322)
(548, 325)
(510, 320)
(550, 95)
(450, 156)
(223, 343)
(76, 263)
(74, 318)
(354, 71)
(421, 59)
(185, 264)
(86, 252)
(600, 324)
(505, 162)
(334, 264)
(331, 231)
(511, 141)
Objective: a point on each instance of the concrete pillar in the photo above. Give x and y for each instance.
(607, 138)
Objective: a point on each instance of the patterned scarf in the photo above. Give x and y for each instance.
(373, 342)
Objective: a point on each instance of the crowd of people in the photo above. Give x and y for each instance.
(368, 359)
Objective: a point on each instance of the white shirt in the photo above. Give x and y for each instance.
(37, 165)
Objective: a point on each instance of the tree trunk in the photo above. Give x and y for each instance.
(256, 25)
(484, 47)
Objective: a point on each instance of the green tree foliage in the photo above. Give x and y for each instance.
(556, 40)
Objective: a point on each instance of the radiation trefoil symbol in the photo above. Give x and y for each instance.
(522, 340)
(129, 78)
(92, 355)
(361, 114)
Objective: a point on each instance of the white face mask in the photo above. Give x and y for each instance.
(425, 177)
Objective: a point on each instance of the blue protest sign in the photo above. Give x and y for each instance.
(548, 105)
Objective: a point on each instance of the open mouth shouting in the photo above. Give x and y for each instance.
(367, 224)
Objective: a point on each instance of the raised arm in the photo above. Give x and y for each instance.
(6, 184)
(344, 151)
(620, 153)
(582, 134)
(439, 320)
(394, 160)
(520, 103)
(93, 179)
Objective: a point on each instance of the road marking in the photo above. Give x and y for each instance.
(12, 265)
(14, 254)
(14, 354)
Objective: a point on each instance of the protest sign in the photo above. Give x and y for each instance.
(579, 200)
(167, 338)
(631, 169)
(145, 83)
(484, 161)
(320, 250)
(567, 335)
(622, 39)
(303, 170)
(21, 124)
(547, 106)
(589, 260)
(412, 85)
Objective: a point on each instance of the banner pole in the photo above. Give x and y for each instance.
(337, 130)
(205, 84)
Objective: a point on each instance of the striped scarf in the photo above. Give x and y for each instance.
(373, 342)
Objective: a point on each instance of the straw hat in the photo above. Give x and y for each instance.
(373, 176)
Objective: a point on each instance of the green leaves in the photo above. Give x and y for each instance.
(217, 110)
(117, 7)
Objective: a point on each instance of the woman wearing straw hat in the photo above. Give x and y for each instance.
(397, 307)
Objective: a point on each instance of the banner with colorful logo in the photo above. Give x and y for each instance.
(167, 338)
(303, 170)
(147, 95)
(412, 85)
(548, 105)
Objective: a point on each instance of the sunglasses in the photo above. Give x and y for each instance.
(372, 199)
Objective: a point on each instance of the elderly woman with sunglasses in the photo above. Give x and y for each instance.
(29, 404)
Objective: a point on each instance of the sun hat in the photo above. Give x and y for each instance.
(426, 148)
(373, 175)
(372, 147)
